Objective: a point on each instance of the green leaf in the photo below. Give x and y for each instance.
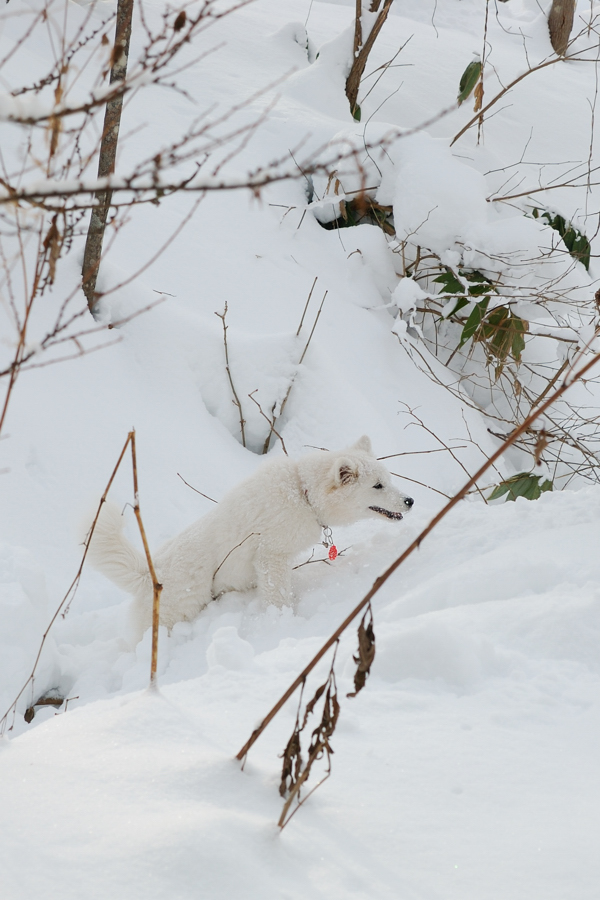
(522, 485)
(451, 283)
(503, 333)
(503, 488)
(578, 245)
(460, 304)
(477, 290)
(356, 113)
(575, 241)
(474, 321)
(519, 330)
(479, 283)
(496, 331)
(468, 80)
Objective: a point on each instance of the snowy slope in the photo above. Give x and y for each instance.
(468, 766)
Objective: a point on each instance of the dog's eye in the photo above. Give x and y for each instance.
(378, 486)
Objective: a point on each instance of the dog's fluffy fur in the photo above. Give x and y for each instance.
(254, 534)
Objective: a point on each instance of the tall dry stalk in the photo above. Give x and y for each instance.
(65, 603)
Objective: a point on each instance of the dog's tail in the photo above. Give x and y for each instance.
(111, 553)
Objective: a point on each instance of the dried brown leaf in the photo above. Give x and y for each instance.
(311, 704)
(366, 652)
(292, 763)
(540, 445)
(52, 245)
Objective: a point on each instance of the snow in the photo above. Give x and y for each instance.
(467, 767)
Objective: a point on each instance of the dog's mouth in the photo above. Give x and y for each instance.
(387, 512)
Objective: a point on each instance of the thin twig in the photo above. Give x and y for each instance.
(289, 390)
(236, 399)
(270, 421)
(310, 293)
(422, 424)
(422, 452)
(196, 489)
(311, 561)
(421, 483)
(309, 337)
(223, 561)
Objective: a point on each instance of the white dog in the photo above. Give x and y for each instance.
(253, 536)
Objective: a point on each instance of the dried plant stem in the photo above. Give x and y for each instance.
(550, 384)
(294, 772)
(270, 421)
(156, 586)
(379, 582)
(294, 793)
(312, 331)
(479, 86)
(68, 598)
(236, 399)
(282, 820)
(310, 293)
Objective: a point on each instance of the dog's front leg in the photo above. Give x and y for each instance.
(273, 576)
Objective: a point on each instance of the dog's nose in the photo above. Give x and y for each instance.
(408, 501)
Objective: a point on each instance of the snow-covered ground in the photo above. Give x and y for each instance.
(467, 768)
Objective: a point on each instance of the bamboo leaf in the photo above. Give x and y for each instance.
(524, 484)
(468, 80)
(451, 283)
(575, 241)
(474, 321)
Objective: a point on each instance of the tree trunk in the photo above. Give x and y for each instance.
(361, 51)
(108, 154)
(560, 23)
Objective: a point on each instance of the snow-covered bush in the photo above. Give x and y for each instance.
(498, 287)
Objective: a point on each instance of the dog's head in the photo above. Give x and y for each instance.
(355, 485)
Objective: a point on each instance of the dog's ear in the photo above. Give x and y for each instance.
(363, 444)
(345, 471)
